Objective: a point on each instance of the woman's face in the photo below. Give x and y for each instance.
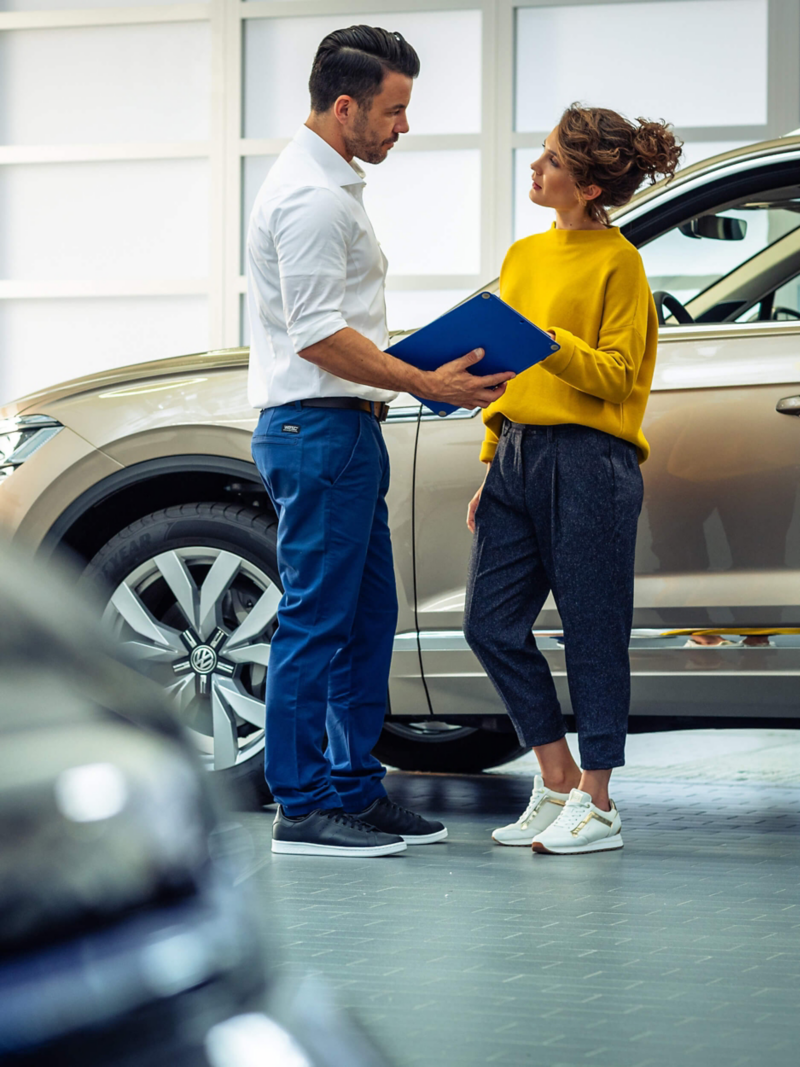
(552, 186)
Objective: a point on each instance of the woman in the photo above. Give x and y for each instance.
(558, 508)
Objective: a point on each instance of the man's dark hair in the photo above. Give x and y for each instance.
(353, 62)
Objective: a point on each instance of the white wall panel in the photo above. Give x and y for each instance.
(124, 220)
(103, 84)
(528, 217)
(69, 5)
(696, 151)
(410, 309)
(254, 171)
(691, 62)
(278, 54)
(48, 341)
(425, 209)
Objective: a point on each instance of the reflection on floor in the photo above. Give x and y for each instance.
(684, 948)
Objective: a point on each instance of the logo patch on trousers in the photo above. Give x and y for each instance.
(289, 427)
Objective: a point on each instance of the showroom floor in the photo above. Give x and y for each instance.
(683, 948)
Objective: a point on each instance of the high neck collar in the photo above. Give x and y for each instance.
(582, 236)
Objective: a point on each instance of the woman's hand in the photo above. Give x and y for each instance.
(473, 504)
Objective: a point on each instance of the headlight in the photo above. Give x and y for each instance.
(21, 437)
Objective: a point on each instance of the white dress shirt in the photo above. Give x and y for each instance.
(314, 266)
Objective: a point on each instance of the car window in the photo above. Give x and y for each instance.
(784, 305)
(686, 265)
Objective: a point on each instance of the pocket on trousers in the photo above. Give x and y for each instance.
(342, 452)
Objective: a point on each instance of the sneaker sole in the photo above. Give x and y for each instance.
(425, 839)
(526, 843)
(304, 848)
(608, 844)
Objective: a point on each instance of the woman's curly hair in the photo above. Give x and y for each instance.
(600, 147)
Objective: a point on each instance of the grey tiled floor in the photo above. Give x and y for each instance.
(683, 948)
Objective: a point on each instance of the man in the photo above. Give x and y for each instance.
(320, 376)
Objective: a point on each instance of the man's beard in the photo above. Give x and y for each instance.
(363, 144)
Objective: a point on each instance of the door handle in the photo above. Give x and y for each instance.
(789, 405)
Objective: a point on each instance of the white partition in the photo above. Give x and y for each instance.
(46, 341)
(105, 84)
(425, 208)
(278, 54)
(67, 5)
(691, 62)
(131, 219)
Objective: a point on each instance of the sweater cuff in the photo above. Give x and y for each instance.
(488, 449)
(559, 361)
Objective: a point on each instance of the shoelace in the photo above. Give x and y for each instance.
(387, 803)
(349, 820)
(536, 796)
(570, 815)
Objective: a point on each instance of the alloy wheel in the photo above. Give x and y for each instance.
(199, 621)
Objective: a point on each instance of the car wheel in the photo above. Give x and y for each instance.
(440, 746)
(192, 593)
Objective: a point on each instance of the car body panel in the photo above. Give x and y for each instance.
(34, 496)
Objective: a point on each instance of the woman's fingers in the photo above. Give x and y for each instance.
(473, 507)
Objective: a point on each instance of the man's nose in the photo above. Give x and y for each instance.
(401, 126)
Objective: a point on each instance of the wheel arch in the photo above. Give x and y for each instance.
(94, 517)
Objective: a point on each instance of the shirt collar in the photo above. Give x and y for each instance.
(335, 166)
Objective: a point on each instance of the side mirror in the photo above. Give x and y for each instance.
(716, 227)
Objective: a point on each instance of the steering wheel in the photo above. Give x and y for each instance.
(673, 305)
(790, 313)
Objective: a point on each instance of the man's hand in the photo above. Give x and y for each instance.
(453, 383)
(350, 355)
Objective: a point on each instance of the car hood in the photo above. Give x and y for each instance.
(174, 367)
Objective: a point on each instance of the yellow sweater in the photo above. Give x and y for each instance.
(590, 289)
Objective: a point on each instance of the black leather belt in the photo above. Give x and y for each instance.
(380, 411)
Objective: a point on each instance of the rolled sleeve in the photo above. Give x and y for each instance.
(311, 233)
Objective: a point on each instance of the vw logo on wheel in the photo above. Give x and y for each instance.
(203, 659)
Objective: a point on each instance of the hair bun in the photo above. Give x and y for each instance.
(656, 148)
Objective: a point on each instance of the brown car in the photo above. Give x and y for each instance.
(145, 474)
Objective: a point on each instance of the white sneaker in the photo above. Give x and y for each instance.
(543, 808)
(581, 827)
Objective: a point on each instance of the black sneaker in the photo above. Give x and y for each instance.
(389, 817)
(331, 832)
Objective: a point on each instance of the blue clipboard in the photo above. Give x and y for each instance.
(509, 340)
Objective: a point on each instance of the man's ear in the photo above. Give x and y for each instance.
(344, 108)
(590, 192)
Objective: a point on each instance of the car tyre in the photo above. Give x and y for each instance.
(154, 579)
(436, 746)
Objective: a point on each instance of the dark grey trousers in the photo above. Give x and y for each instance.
(558, 512)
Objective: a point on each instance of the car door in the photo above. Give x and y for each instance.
(719, 538)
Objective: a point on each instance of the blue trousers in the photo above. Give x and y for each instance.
(558, 512)
(327, 473)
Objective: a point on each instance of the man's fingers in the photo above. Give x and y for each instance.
(486, 381)
(488, 396)
(469, 359)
